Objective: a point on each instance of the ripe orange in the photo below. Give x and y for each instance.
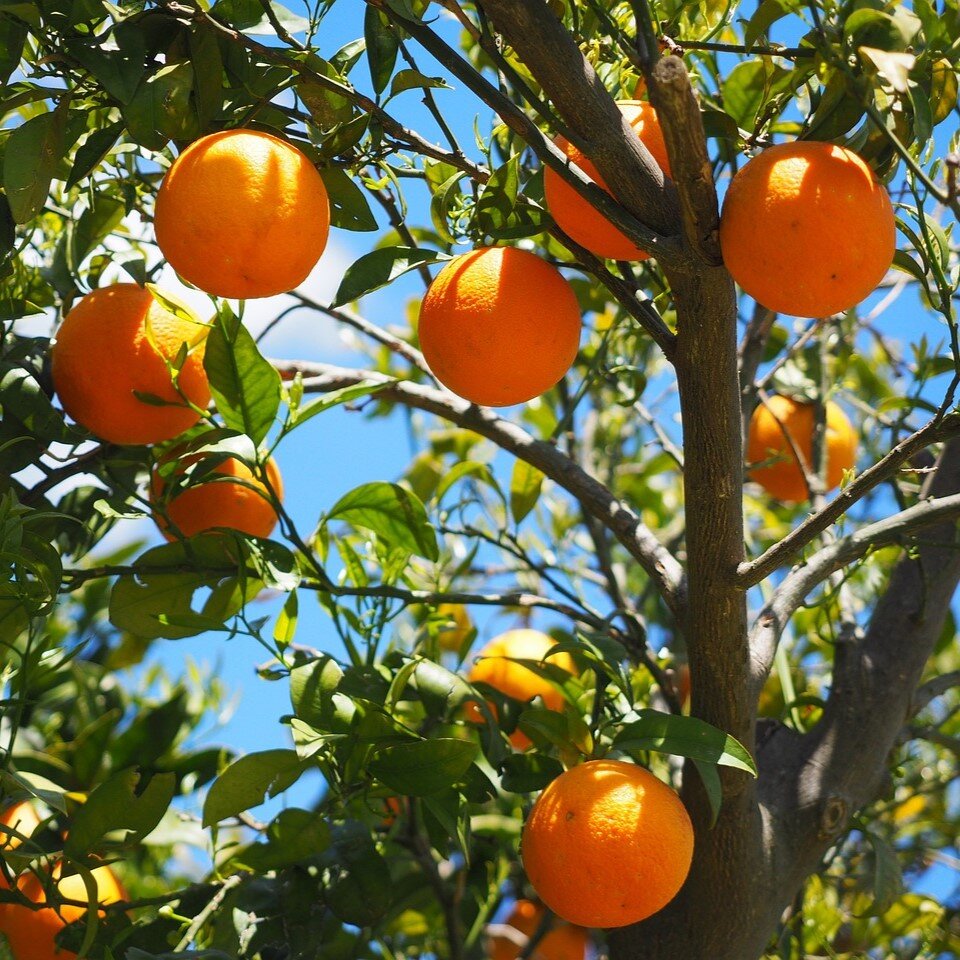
(576, 216)
(499, 326)
(781, 417)
(215, 503)
(32, 933)
(242, 213)
(563, 941)
(806, 229)
(118, 340)
(514, 679)
(607, 844)
(452, 637)
(23, 818)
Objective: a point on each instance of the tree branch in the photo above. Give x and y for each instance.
(691, 169)
(811, 785)
(795, 588)
(780, 553)
(595, 498)
(592, 117)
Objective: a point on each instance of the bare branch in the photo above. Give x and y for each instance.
(798, 584)
(780, 553)
(933, 688)
(692, 172)
(596, 499)
(594, 120)
(352, 319)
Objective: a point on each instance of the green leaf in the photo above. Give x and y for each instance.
(749, 86)
(244, 385)
(684, 737)
(161, 108)
(13, 35)
(89, 156)
(768, 12)
(867, 27)
(247, 782)
(565, 730)
(903, 261)
(248, 16)
(31, 156)
(440, 689)
(839, 110)
(414, 79)
(27, 12)
(395, 515)
(528, 772)
(291, 837)
(375, 270)
(336, 397)
(887, 879)
(943, 90)
(710, 778)
(208, 73)
(356, 879)
(116, 805)
(349, 209)
(312, 690)
(382, 46)
(25, 399)
(94, 224)
(525, 484)
(286, 626)
(120, 70)
(164, 580)
(424, 766)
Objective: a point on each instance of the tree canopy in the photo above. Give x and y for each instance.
(790, 666)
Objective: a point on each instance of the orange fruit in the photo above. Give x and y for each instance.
(783, 417)
(23, 818)
(243, 506)
(607, 844)
(563, 941)
(514, 679)
(32, 933)
(453, 635)
(576, 216)
(807, 229)
(242, 213)
(117, 342)
(499, 326)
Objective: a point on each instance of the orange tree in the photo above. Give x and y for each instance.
(788, 662)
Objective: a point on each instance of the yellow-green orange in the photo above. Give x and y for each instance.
(242, 213)
(499, 326)
(453, 634)
(607, 844)
(118, 342)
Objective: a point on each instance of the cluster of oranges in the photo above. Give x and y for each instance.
(31, 932)
(258, 233)
(607, 843)
(244, 214)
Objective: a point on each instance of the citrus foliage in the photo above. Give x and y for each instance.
(98, 99)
